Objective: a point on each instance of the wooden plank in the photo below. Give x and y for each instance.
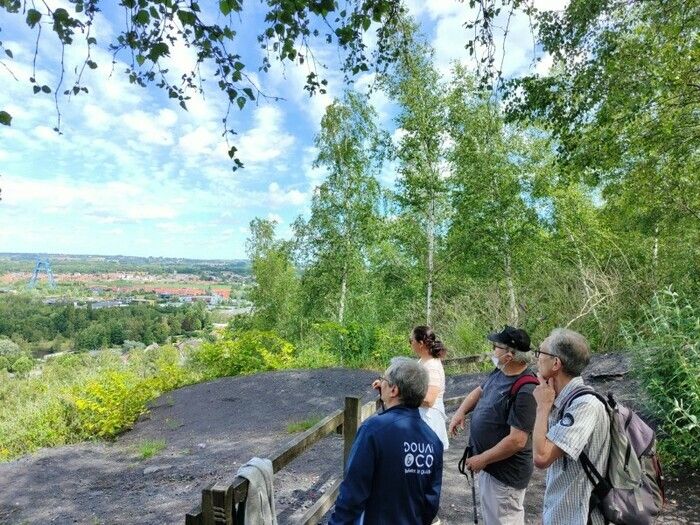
(207, 506)
(325, 502)
(219, 512)
(351, 422)
(194, 517)
(369, 409)
(237, 488)
(298, 445)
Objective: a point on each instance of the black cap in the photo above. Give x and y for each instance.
(512, 337)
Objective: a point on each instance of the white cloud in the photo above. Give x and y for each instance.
(151, 128)
(290, 81)
(266, 140)
(277, 196)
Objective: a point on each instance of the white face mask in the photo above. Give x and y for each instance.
(496, 361)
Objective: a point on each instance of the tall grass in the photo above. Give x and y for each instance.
(666, 350)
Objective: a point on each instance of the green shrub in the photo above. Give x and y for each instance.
(129, 345)
(388, 344)
(80, 396)
(22, 365)
(110, 403)
(667, 361)
(358, 344)
(9, 349)
(314, 357)
(244, 353)
(13, 358)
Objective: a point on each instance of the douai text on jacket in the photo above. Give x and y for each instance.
(394, 472)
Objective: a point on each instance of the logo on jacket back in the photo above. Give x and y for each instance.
(418, 457)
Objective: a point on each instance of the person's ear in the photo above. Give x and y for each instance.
(557, 364)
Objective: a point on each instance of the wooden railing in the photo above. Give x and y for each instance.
(223, 503)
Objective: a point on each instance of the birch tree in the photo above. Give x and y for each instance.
(333, 242)
(414, 83)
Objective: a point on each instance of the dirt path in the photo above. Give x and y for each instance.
(211, 429)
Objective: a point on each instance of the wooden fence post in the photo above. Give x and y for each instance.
(351, 422)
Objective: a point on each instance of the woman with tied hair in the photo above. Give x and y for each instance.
(430, 351)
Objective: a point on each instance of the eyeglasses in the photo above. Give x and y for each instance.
(382, 378)
(538, 352)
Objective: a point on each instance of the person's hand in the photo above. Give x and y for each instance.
(456, 424)
(377, 384)
(544, 393)
(476, 463)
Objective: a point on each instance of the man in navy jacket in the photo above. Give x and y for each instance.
(394, 472)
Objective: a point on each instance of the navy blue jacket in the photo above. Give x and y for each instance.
(394, 472)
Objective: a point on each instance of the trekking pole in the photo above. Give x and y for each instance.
(463, 470)
(476, 519)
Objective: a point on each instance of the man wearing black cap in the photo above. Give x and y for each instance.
(503, 417)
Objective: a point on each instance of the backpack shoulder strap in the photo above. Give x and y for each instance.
(578, 392)
(526, 379)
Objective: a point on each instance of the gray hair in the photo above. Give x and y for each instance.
(521, 357)
(572, 350)
(411, 378)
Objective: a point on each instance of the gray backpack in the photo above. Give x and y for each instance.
(631, 492)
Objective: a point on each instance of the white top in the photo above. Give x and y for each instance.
(435, 416)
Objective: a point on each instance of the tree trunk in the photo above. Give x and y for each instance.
(343, 293)
(431, 253)
(508, 270)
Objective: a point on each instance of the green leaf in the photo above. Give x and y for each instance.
(60, 15)
(226, 6)
(91, 64)
(249, 92)
(33, 17)
(142, 17)
(241, 102)
(5, 118)
(36, 89)
(46, 89)
(140, 59)
(92, 41)
(9, 53)
(158, 50)
(188, 18)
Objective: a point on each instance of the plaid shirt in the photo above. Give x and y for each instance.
(585, 427)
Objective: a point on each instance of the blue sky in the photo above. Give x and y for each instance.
(133, 174)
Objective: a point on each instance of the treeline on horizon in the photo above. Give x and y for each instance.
(89, 264)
